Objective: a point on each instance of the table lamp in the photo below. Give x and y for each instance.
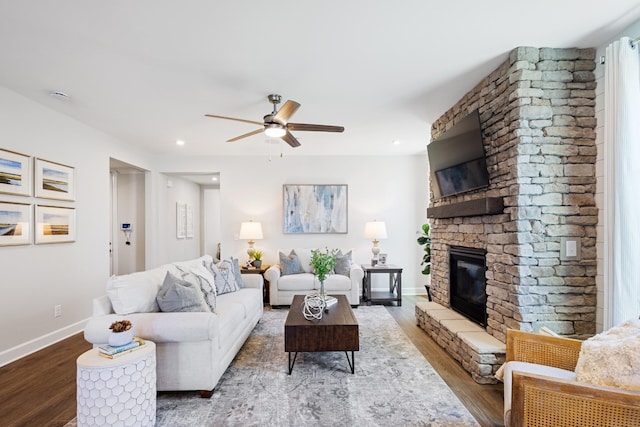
(250, 231)
(375, 230)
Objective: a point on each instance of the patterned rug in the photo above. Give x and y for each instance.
(393, 384)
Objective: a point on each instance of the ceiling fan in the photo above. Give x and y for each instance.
(276, 124)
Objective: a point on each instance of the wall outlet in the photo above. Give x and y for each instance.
(57, 310)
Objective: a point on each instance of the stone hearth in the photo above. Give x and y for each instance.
(538, 120)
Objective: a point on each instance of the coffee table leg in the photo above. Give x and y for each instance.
(352, 361)
(291, 363)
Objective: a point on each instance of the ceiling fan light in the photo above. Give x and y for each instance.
(275, 130)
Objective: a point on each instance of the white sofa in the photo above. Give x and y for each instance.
(193, 349)
(282, 288)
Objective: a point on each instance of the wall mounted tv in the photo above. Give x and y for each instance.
(457, 160)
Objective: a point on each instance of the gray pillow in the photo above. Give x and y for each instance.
(236, 272)
(224, 278)
(343, 263)
(179, 295)
(289, 264)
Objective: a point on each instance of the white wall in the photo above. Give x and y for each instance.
(633, 31)
(131, 209)
(390, 189)
(210, 220)
(35, 278)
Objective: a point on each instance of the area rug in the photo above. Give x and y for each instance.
(393, 384)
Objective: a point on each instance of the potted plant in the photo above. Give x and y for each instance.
(425, 241)
(323, 262)
(257, 259)
(121, 333)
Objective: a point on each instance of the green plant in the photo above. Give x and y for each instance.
(425, 240)
(257, 255)
(323, 262)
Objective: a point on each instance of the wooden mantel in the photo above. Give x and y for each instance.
(475, 207)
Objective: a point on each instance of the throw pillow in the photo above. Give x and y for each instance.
(289, 264)
(236, 272)
(343, 263)
(207, 285)
(180, 295)
(224, 279)
(612, 358)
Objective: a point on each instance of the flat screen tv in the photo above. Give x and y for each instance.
(457, 160)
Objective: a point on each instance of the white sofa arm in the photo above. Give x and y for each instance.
(159, 327)
(253, 281)
(272, 274)
(356, 273)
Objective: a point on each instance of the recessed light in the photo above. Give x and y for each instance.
(180, 142)
(60, 96)
(396, 142)
(214, 178)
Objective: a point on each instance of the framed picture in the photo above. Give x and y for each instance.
(318, 209)
(15, 173)
(54, 180)
(55, 224)
(15, 224)
(181, 220)
(189, 221)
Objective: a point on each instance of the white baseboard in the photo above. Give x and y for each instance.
(25, 349)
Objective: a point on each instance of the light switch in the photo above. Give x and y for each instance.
(569, 248)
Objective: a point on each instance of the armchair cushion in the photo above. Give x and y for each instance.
(528, 368)
(612, 358)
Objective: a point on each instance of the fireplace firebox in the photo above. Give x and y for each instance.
(467, 283)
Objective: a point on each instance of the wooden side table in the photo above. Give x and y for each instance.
(395, 284)
(261, 270)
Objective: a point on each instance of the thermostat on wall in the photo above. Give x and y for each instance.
(125, 227)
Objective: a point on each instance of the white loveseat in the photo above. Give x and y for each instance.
(282, 287)
(193, 349)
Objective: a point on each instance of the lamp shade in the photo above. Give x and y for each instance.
(375, 230)
(250, 231)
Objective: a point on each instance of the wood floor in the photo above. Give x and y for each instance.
(40, 389)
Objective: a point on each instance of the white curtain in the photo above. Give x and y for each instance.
(622, 182)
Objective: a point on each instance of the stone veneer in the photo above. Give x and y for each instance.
(538, 119)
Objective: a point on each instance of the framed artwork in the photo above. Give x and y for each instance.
(54, 180)
(15, 173)
(15, 224)
(189, 221)
(316, 209)
(55, 224)
(181, 220)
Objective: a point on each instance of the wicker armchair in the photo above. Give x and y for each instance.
(544, 401)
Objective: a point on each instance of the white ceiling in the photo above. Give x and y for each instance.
(147, 71)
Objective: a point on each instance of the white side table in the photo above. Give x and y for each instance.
(117, 392)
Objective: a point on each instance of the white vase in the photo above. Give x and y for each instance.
(116, 339)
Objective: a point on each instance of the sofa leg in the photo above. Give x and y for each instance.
(206, 394)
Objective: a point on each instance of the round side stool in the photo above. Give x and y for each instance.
(119, 391)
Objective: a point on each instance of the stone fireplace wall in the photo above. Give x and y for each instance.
(538, 119)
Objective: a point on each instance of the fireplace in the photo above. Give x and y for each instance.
(467, 283)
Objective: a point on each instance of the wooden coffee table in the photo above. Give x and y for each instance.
(336, 331)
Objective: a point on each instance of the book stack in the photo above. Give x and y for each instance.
(112, 352)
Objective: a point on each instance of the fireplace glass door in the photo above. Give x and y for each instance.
(467, 283)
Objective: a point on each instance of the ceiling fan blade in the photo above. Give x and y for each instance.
(314, 128)
(285, 113)
(233, 118)
(255, 132)
(291, 140)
